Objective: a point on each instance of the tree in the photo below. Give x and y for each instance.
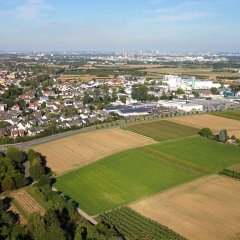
(15, 154)
(123, 99)
(139, 92)
(79, 233)
(36, 227)
(19, 180)
(214, 91)
(222, 136)
(206, 132)
(87, 99)
(31, 154)
(8, 184)
(96, 95)
(44, 180)
(180, 91)
(164, 97)
(114, 95)
(36, 172)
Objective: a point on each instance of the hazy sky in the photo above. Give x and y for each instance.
(167, 25)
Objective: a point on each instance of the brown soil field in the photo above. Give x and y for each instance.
(207, 208)
(215, 123)
(27, 202)
(71, 152)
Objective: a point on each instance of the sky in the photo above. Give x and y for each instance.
(116, 25)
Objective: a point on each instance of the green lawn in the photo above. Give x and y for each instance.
(229, 114)
(120, 179)
(200, 153)
(162, 130)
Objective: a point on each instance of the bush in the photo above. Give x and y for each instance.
(8, 184)
(15, 154)
(44, 180)
(19, 180)
(206, 132)
(36, 172)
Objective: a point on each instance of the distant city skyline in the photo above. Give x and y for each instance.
(165, 25)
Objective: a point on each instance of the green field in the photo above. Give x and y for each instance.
(162, 130)
(229, 114)
(134, 174)
(200, 153)
(120, 179)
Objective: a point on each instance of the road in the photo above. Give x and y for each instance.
(30, 144)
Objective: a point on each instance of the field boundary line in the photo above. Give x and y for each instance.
(174, 161)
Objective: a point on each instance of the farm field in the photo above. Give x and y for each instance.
(199, 153)
(196, 71)
(68, 153)
(215, 123)
(80, 77)
(135, 226)
(137, 173)
(229, 114)
(27, 203)
(122, 178)
(198, 210)
(162, 130)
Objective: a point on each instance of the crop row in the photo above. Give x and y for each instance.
(134, 226)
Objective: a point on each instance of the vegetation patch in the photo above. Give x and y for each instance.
(230, 173)
(162, 130)
(134, 226)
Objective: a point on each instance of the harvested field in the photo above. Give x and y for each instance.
(27, 202)
(162, 130)
(71, 152)
(215, 123)
(198, 210)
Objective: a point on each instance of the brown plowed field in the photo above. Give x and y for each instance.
(68, 153)
(215, 123)
(27, 202)
(206, 209)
